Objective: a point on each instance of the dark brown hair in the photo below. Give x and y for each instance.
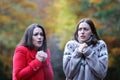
(27, 38)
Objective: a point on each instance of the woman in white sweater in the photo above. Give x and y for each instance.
(86, 56)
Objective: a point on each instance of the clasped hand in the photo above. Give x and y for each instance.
(82, 47)
(41, 56)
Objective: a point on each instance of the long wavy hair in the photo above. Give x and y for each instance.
(92, 26)
(27, 38)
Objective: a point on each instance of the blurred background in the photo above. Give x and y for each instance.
(59, 18)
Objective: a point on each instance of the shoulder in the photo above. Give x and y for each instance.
(101, 42)
(102, 48)
(21, 49)
(71, 45)
(72, 42)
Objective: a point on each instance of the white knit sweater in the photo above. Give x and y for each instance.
(90, 65)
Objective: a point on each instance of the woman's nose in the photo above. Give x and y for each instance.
(82, 31)
(39, 36)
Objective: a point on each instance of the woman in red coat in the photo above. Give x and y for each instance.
(31, 60)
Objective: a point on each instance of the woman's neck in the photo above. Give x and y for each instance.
(88, 40)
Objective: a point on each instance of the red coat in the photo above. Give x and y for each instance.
(27, 67)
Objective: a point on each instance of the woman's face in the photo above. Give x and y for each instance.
(37, 37)
(84, 32)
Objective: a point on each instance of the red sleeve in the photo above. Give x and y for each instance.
(48, 68)
(21, 71)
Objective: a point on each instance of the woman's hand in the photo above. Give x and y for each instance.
(82, 47)
(41, 56)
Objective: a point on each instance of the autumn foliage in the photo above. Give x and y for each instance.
(59, 18)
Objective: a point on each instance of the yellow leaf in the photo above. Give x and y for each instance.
(116, 51)
(95, 1)
(4, 18)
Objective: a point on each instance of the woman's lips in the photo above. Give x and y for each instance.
(82, 37)
(39, 42)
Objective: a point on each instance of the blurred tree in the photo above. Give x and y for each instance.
(108, 13)
(61, 20)
(56, 58)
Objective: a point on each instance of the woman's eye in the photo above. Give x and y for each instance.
(41, 34)
(86, 29)
(35, 34)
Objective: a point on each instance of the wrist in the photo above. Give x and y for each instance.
(87, 51)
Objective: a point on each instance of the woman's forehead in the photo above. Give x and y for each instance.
(84, 24)
(37, 29)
